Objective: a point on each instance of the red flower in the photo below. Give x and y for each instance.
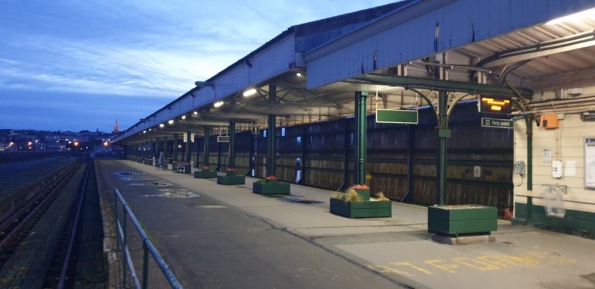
(271, 178)
(360, 187)
(205, 167)
(231, 170)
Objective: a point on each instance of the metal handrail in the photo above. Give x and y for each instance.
(147, 248)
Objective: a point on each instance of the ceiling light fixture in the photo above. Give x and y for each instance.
(171, 121)
(183, 116)
(298, 74)
(161, 125)
(590, 13)
(196, 112)
(218, 104)
(249, 92)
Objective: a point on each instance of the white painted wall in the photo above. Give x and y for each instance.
(566, 144)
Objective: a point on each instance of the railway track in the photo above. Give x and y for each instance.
(39, 243)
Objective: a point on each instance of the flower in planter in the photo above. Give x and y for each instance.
(231, 169)
(356, 187)
(350, 195)
(380, 197)
(205, 167)
(273, 178)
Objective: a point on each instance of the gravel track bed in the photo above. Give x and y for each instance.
(28, 265)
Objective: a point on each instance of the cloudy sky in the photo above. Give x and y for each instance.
(81, 64)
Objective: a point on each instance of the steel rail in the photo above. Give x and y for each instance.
(37, 205)
(73, 232)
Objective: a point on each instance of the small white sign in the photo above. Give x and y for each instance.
(570, 169)
(477, 172)
(547, 155)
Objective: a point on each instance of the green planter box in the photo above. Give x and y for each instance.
(205, 174)
(364, 194)
(362, 209)
(271, 188)
(462, 219)
(231, 180)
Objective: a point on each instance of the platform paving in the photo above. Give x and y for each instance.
(229, 237)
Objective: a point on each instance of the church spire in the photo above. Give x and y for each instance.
(116, 127)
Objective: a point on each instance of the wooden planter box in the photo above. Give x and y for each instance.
(271, 188)
(231, 180)
(362, 209)
(364, 194)
(462, 219)
(205, 174)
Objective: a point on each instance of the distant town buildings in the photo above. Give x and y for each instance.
(33, 140)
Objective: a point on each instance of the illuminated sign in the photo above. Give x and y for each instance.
(495, 104)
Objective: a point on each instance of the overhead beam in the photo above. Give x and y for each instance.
(538, 53)
(449, 86)
(562, 80)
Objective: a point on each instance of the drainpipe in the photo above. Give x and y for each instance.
(529, 122)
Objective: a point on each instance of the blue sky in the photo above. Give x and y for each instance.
(80, 65)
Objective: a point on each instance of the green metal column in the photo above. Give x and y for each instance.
(346, 143)
(175, 147)
(252, 165)
(206, 145)
(271, 133)
(188, 147)
(443, 135)
(410, 145)
(197, 153)
(154, 150)
(360, 134)
(164, 150)
(302, 154)
(232, 144)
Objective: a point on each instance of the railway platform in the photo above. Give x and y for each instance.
(228, 237)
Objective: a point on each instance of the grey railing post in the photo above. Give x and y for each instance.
(145, 265)
(124, 245)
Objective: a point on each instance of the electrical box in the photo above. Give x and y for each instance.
(549, 120)
(557, 169)
(519, 167)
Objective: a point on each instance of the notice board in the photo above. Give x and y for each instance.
(590, 162)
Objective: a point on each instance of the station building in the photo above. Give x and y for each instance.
(429, 101)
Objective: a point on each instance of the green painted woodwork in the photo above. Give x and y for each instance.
(271, 188)
(205, 174)
(231, 180)
(574, 221)
(363, 209)
(364, 194)
(462, 219)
